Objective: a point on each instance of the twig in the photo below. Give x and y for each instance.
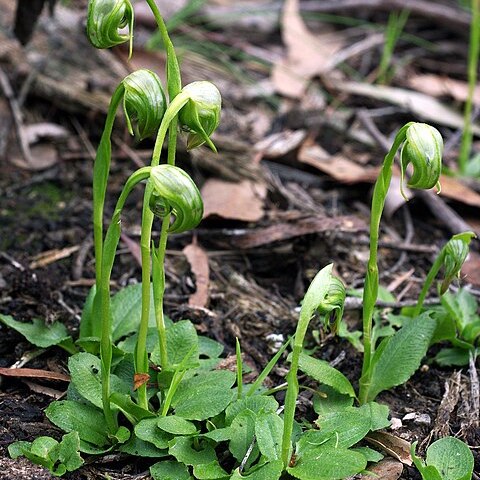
(17, 117)
(353, 303)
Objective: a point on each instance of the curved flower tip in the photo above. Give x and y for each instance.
(105, 19)
(201, 115)
(143, 102)
(175, 192)
(423, 149)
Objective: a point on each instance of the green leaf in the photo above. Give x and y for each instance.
(268, 471)
(452, 458)
(148, 431)
(322, 372)
(427, 472)
(182, 340)
(210, 471)
(398, 357)
(448, 357)
(182, 448)
(88, 421)
(370, 455)
(140, 448)
(86, 378)
(204, 396)
(243, 426)
(176, 425)
(330, 400)
(169, 470)
(86, 321)
(343, 429)
(68, 451)
(257, 404)
(219, 434)
(127, 310)
(37, 333)
(129, 408)
(377, 413)
(268, 433)
(327, 463)
(37, 452)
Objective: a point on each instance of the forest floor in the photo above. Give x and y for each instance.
(304, 127)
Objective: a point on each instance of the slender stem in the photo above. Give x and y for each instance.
(473, 52)
(238, 353)
(370, 291)
(101, 169)
(109, 250)
(158, 268)
(428, 282)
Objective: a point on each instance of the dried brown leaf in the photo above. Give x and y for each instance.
(235, 201)
(308, 55)
(46, 258)
(456, 190)
(423, 106)
(337, 166)
(33, 373)
(441, 86)
(386, 469)
(198, 260)
(392, 445)
(279, 144)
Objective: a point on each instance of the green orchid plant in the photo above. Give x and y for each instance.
(145, 386)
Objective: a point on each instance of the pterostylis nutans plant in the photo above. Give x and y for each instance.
(452, 257)
(421, 146)
(325, 295)
(141, 94)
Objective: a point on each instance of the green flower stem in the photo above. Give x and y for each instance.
(370, 291)
(158, 274)
(141, 356)
(109, 250)
(316, 293)
(473, 52)
(101, 169)
(174, 79)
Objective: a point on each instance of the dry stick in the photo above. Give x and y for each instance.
(437, 206)
(17, 117)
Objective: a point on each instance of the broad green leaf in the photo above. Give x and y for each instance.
(448, 357)
(268, 471)
(256, 403)
(37, 452)
(68, 451)
(205, 395)
(182, 340)
(344, 428)
(169, 470)
(329, 400)
(268, 433)
(88, 421)
(452, 458)
(209, 348)
(243, 427)
(370, 455)
(129, 408)
(398, 357)
(427, 472)
(182, 448)
(327, 463)
(140, 448)
(210, 471)
(176, 425)
(37, 333)
(42, 446)
(322, 372)
(377, 413)
(127, 310)
(148, 431)
(85, 371)
(219, 434)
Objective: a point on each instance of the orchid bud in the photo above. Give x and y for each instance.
(175, 192)
(423, 148)
(455, 254)
(143, 103)
(201, 114)
(332, 304)
(105, 19)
